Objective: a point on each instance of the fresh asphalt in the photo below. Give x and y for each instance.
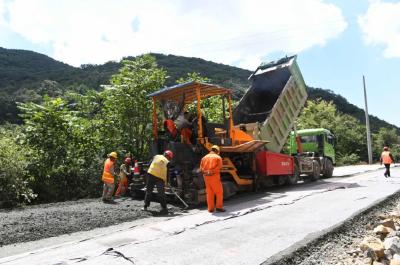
(254, 228)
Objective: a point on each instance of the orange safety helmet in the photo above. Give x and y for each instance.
(169, 154)
(128, 161)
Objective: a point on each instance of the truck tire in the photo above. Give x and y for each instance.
(279, 180)
(316, 171)
(292, 179)
(328, 171)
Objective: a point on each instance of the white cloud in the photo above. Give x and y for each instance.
(94, 31)
(381, 26)
(2, 12)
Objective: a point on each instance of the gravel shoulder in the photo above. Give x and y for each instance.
(341, 245)
(48, 220)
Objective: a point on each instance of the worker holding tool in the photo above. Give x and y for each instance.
(157, 175)
(108, 177)
(210, 166)
(386, 159)
(124, 171)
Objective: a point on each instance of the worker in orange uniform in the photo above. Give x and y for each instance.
(184, 127)
(170, 129)
(386, 159)
(157, 175)
(124, 171)
(108, 177)
(210, 166)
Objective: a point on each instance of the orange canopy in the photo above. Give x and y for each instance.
(188, 91)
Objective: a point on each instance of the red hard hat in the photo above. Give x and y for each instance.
(169, 154)
(127, 160)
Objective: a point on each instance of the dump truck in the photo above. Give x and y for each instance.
(268, 111)
(316, 146)
(251, 137)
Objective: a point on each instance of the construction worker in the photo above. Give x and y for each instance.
(108, 177)
(210, 166)
(124, 171)
(386, 159)
(170, 129)
(184, 127)
(157, 175)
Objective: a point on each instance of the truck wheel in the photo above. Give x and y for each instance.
(316, 171)
(292, 179)
(279, 180)
(328, 172)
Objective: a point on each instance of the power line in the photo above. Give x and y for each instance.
(282, 33)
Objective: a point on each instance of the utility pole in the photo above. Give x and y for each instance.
(367, 125)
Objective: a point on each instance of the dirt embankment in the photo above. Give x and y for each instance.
(47, 220)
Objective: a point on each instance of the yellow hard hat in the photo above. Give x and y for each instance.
(113, 154)
(215, 147)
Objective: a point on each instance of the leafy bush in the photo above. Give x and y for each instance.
(72, 135)
(14, 180)
(348, 159)
(69, 150)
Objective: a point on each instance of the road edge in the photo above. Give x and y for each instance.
(314, 238)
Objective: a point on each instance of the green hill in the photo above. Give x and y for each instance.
(27, 76)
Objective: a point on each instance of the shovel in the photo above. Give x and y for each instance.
(176, 195)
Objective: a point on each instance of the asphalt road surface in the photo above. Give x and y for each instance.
(254, 228)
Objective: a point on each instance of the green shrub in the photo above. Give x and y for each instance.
(14, 179)
(348, 159)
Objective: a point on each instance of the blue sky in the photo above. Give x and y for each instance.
(336, 41)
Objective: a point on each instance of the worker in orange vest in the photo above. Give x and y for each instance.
(170, 129)
(386, 159)
(108, 177)
(124, 171)
(210, 166)
(157, 175)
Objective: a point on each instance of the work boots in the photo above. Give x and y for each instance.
(164, 211)
(221, 210)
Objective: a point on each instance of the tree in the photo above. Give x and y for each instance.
(386, 137)
(68, 147)
(127, 110)
(71, 136)
(350, 134)
(212, 106)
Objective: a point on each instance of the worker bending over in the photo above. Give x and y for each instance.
(210, 166)
(386, 159)
(124, 171)
(108, 177)
(157, 175)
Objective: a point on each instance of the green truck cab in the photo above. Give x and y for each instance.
(318, 147)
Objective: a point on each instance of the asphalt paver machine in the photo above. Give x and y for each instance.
(250, 137)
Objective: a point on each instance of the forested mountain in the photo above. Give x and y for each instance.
(27, 76)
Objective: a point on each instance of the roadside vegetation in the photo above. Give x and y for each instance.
(57, 153)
